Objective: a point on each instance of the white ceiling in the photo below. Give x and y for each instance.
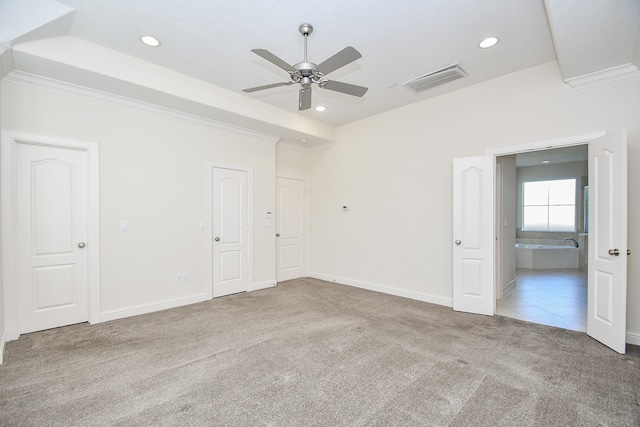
(399, 40)
(574, 153)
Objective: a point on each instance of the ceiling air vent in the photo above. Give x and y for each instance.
(435, 78)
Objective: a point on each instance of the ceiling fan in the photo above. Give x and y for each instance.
(306, 73)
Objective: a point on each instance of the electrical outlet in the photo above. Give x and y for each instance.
(185, 277)
(178, 277)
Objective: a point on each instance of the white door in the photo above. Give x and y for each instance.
(473, 252)
(290, 228)
(52, 231)
(230, 231)
(607, 300)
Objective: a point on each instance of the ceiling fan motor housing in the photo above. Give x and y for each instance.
(305, 68)
(306, 74)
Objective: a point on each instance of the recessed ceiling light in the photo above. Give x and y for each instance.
(304, 140)
(545, 161)
(488, 42)
(150, 41)
(321, 108)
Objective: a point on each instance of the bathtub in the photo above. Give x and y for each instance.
(542, 256)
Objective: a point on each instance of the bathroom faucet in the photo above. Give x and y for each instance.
(573, 240)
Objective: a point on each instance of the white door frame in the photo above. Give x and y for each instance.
(548, 144)
(305, 219)
(8, 149)
(211, 165)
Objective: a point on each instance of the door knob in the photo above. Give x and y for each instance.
(458, 242)
(628, 251)
(81, 245)
(277, 234)
(614, 252)
(217, 239)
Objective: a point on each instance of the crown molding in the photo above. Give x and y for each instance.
(109, 98)
(301, 147)
(603, 76)
(6, 60)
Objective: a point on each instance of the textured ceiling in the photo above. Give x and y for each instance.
(594, 35)
(399, 40)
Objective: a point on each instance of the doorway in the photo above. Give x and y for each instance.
(543, 272)
(474, 283)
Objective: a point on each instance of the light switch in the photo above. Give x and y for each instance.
(201, 224)
(124, 226)
(266, 224)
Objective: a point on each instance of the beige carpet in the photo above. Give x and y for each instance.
(310, 352)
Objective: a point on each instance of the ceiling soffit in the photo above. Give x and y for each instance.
(595, 41)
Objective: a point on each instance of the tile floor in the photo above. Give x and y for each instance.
(552, 297)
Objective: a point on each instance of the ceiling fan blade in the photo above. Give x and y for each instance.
(340, 59)
(274, 59)
(254, 89)
(347, 88)
(304, 101)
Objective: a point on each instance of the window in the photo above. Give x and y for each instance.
(549, 205)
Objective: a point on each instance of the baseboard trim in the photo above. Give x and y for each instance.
(509, 286)
(120, 313)
(419, 296)
(263, 285)
(633, 337)
(3, 342)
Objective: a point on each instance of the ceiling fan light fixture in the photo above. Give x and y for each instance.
(488, 42)
(321, 108)
(150, 40)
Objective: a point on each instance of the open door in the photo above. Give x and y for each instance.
(473, 235)
(607, 301)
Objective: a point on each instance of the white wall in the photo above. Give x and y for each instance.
(508, 166)
(153, 174)
(291, 161)
(395, 171)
